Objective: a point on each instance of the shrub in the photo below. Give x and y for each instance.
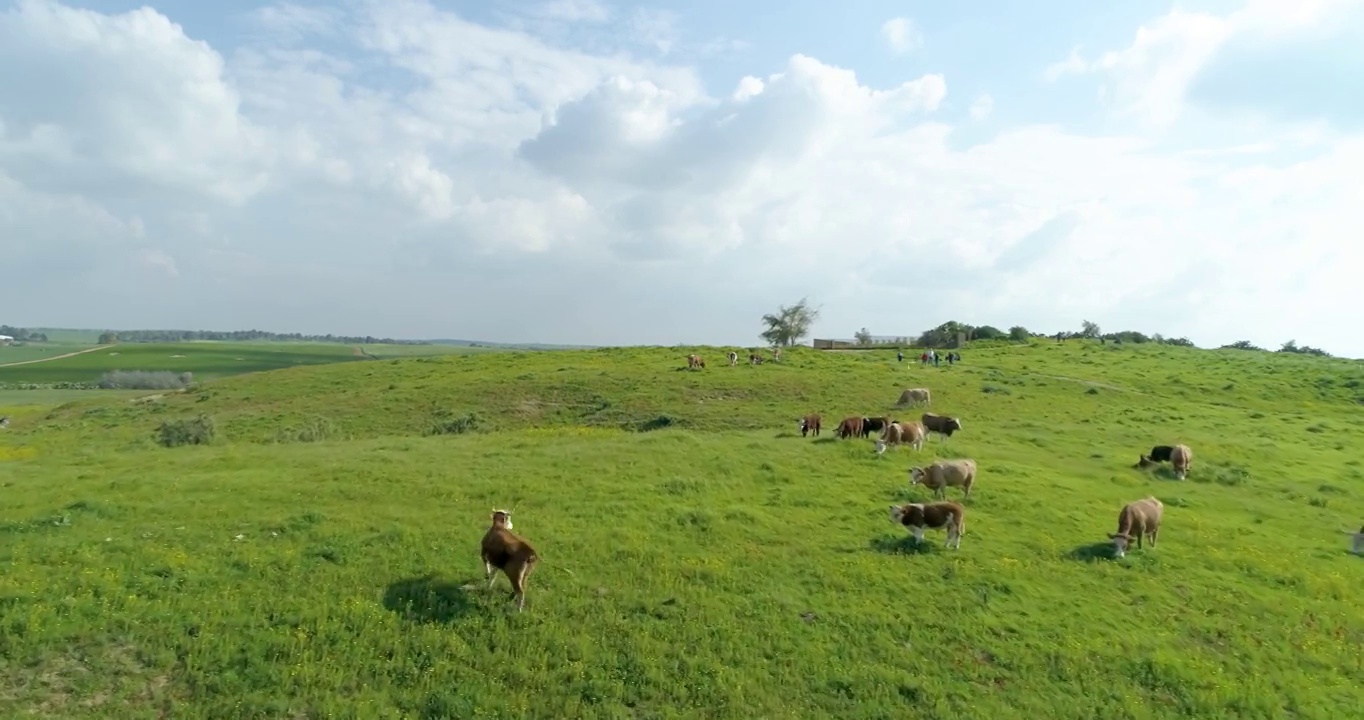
(145, 380)
(444, 422)
(198, 430)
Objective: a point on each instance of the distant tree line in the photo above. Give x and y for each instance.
(22, 335)
(1289, 347)
(170, 336)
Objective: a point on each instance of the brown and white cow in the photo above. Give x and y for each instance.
(695, 361)
(1137, 519)
(809, 424)
(733, 358)
(918, 516)
(943, 474)
(504, 550)
(755, 359)
(902, 433)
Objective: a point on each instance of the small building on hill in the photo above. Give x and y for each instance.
(5, 339)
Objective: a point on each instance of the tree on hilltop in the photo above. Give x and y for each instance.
(1089, 329)
(789, 324)
(863, 336)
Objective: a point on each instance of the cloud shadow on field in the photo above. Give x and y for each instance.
(903, 545)
(429, 599)
(1091, 552)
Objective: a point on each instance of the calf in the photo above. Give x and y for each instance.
(941, 424)
(850, 427)
(918, 516)
(944, 474)
(506, 551)
(808, 424)
(1138, 518)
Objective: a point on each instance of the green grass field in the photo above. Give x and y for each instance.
(36, 351)
(207, 360)
(700, 558)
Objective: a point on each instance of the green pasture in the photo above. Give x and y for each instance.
(36, 351)
(205, 359)
(700, 559)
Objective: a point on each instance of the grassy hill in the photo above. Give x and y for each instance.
(700, 558)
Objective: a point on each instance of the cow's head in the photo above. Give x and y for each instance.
(880, 446)
(916, 475)
(897, 514)
(1120, 543)
(952, 425)
(502, 519)
(1145, 462)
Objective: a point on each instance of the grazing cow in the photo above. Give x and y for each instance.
(851, 427)
(755, 359)
(506, 551)
(1182, 459)
(776, 354)
(809, 423)
(4, 422)
(945, 473)
(917, 516)
(875, 424)
(1161, 453)
(1356, 541)
(695, 361)
(1138, 518)
(941, 424)
(733, 358)
(915, 396)
(902, 433)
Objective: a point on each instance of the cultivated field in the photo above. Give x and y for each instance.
(699, 558)
(207, 360)
(36, 351)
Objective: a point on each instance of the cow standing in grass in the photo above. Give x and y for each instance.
(733, 358)
(695, 362)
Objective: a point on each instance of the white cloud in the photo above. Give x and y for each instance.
(398, 176)
(902, 35)
(981, 107)
(588, 11)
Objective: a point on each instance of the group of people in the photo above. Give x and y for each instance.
(932, 356)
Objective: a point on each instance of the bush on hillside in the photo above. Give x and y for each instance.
(445, 422)
(145, 380)
(198, 430)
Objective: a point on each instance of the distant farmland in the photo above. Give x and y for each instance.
(205, 359)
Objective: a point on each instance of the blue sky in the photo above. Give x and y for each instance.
(590, 172)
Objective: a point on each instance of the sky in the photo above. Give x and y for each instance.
(590, 172)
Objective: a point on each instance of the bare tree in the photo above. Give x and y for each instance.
(789, 324)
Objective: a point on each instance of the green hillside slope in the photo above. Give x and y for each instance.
(700, 558)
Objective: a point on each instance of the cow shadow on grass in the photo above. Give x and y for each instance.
(430, 599)
(1091, 552)
(903, 545)
(825, 440)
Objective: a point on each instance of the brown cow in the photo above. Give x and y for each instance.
(1181, 458)
(851, 427)
(809, 423)
(695, 361)
(506, 551)
(1137, 518)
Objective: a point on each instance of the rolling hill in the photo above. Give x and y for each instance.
(700, 558)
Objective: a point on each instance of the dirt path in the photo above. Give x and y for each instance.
(55, 357)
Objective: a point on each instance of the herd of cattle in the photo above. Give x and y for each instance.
(1138, 521)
